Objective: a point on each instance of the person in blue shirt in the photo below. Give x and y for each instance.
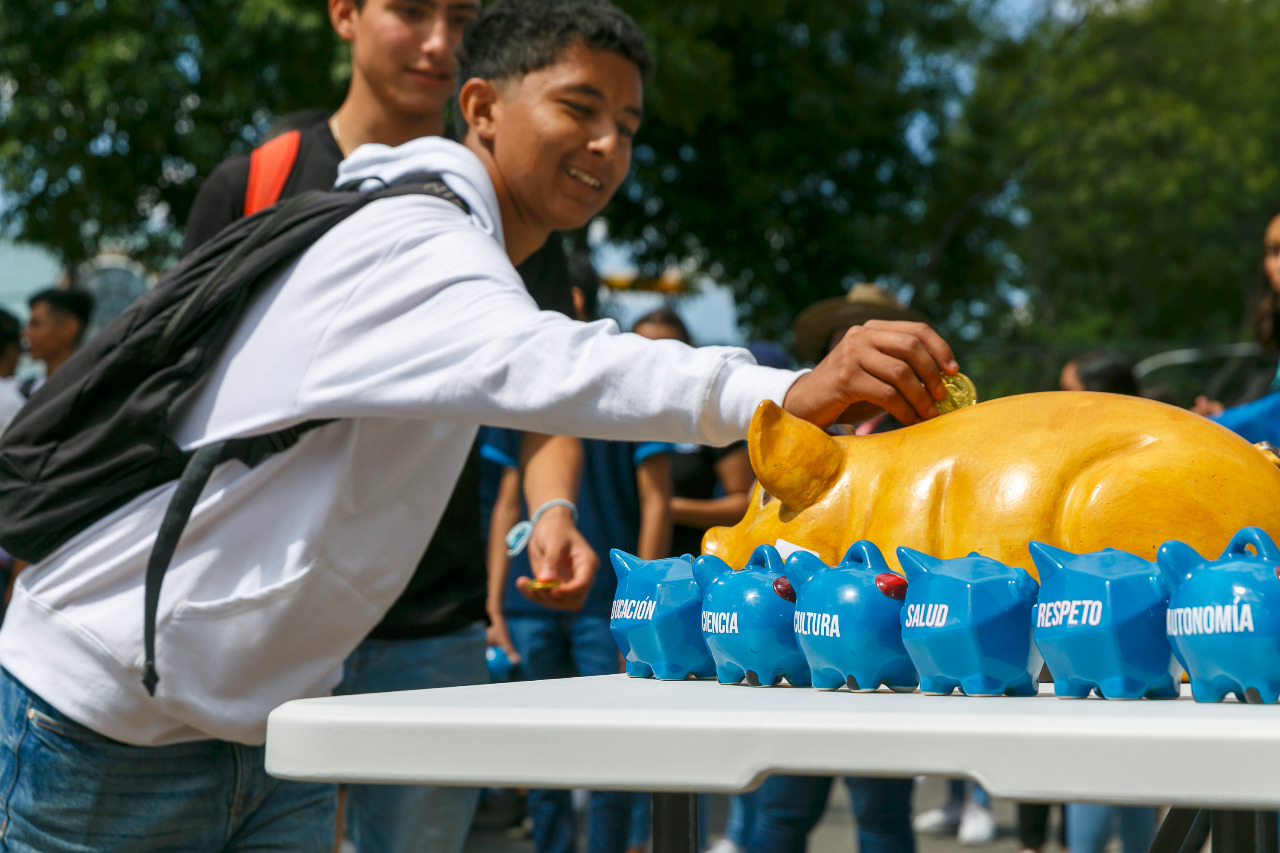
(623, 502)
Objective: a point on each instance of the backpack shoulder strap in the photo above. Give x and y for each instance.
(250, 450)
(270, 165)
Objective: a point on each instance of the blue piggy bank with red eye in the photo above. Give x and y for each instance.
(1099, 621)
(847, 620)
(966, 623)
(747, 619)
(655, 618)
(1224, 617)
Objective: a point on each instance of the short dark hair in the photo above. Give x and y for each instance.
(1106, 370)
(665, 316)
(583, 275)
(75, 304)
(10, 331)
(512, 38)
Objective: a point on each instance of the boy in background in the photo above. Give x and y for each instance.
(623, 502)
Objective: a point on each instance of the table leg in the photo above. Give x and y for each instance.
(675, 823)
(1183, 831)
(1244, 832)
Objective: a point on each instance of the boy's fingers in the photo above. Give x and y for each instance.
(921, 347)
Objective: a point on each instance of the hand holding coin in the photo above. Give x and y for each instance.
(548, 584)
(960, 393)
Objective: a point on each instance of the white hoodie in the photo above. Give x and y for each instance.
(407, 324)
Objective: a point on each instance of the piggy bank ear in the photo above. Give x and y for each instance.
(865, 553)
(623, 563)
(1176, 561)
(1258, 538)
(1048, 559)
(688, 558)
(916, 564)
(1024, 583)
(801, 568)
(794, 460)
(766, 558)
(706, 569)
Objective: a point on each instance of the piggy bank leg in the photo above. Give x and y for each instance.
(827, 678)
(770, 678)
(728, 673)
(982, 685)
(800, 677)
(1121, 688)
(1210, 689)
(1027, 685)
(636, 669)
(670, 672)
(1163, 688)
(1072, 688)
(862, 682)
(900, 678)
(936, 685)
(1264, 693)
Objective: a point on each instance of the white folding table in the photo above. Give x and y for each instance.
(615, 732)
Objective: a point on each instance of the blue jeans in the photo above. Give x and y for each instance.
(742, 809)
(1089, 827)
(413, 818)
(67, 789)
(956, 792)
(563, 646)
(788, 807)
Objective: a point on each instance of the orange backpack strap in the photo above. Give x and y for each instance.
(269, 168)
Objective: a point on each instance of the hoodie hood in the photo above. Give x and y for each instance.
(460, 169)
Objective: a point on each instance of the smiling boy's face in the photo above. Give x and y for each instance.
(558, 141)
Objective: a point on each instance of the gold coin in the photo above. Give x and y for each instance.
(537, 585)
(960, 393)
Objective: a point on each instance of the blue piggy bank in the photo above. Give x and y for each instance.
(655, 618)
(1100, 621)
(847, 620)
(967, 623)
(747, 619)
(1224, 617)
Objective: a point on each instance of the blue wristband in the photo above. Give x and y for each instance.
(518, 537)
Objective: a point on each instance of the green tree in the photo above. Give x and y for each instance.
(112, 112)
(776, 156)
(1128, 159)
(788, 148)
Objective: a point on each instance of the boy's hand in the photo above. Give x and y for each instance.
(892, 365)
(557, 551)
(497, 634)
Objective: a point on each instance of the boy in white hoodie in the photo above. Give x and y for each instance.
(408, 326)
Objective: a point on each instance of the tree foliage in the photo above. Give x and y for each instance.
(112, 112)
(788, 150)
(1103, 177)
(1129, 153)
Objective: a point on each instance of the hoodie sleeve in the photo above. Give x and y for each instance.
(440, 327)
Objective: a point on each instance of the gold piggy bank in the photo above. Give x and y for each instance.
(1077, 470)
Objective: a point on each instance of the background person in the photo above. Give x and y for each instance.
(623, 502)
(55, 330)
(11, 398)
(710, 485)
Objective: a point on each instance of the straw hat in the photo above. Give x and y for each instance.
(814, 326)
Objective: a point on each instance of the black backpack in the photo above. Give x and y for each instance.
(96, 434)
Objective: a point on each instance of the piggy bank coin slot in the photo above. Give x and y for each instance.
(783, 588)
